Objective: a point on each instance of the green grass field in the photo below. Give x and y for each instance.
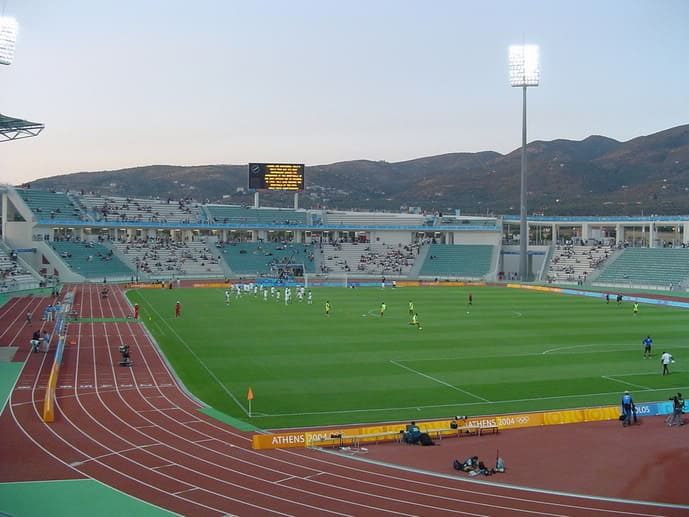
(511, 351)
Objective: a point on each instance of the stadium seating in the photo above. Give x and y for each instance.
(572, 263)
(460, 260)
(368, 258)
(46, 204)
(251, 258)
(120, 209)
(92, 260)
(648, 266)
(226, 214)
(164, 259)
(13, 276)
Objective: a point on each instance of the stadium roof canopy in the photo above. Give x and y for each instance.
(16, 128)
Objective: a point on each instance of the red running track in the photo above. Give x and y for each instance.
(137, 430)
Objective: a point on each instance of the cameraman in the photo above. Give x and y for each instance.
(627, 403)
(677, 410)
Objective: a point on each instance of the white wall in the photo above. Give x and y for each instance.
(493, 238)
(391, 237)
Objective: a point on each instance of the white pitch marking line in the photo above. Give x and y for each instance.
(438, 381)
(564, 348)
(466, 404)
(625, 382)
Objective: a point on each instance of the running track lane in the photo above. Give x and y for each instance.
(137, 430)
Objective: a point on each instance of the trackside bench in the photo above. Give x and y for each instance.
(355, 440)
(470, 430)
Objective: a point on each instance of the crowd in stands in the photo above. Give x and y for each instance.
(57, 205)
(268, 257)
(97, 254)
(368, 258)
(168, 257)
(572, 263)
(12, 274)
(184, 210)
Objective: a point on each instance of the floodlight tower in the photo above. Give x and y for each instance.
(524, 72)
(8, 39)
(13, 128)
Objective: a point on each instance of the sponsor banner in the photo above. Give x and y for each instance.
(519, 420)
(389, 432)
(444, 283)
(572, 416)
(601, 413)
(327, 437)
(541, 288)
(278, 441)
(655, 408)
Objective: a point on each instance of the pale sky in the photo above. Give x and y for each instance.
(137, 82)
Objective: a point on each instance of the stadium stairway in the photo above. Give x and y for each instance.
(420, 259)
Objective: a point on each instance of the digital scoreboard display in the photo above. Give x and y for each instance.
(276, 176)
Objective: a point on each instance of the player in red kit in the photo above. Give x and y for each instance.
(136, 311)
(178, 310)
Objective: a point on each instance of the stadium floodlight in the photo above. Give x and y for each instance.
(524, 69)
(524, 72)
(8, 37)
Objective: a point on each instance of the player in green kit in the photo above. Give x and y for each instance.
(415, 321)
(382, 309)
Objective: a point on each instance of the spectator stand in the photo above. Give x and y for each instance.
(352, 258)
(572, 264)
(165, 258)
(14, 276)
(121, 209)
(91, 260)
(48, 204)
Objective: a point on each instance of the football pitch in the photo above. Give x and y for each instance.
(511, 350)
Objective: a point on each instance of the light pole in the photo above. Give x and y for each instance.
(524, 72)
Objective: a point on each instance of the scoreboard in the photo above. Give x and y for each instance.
(276, 176)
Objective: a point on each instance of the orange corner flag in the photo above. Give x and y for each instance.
(250, 394)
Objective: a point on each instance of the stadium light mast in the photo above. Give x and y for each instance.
(8, 39)
(524, 72)
(12, 128)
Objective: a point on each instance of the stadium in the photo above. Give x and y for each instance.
(101, 257)
(178, 357)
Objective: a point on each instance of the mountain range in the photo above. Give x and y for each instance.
(594, 176)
